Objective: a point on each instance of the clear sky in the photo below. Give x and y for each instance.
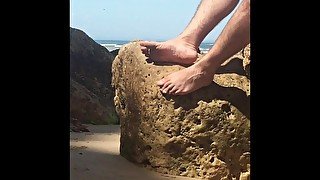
(136, 19)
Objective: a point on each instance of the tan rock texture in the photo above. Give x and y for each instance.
(205, 134)
(246, 61)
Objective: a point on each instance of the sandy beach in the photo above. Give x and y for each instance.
(95, 155)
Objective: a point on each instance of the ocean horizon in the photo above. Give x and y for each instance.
(112, 45)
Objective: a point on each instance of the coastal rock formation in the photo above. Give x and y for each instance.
(91, 93)
(87, 107)
(239, 63)
(115, 52)
(203, 134)
(246, 60)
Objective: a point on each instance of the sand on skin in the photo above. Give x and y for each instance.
(95, 155)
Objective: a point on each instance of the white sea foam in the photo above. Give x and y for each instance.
(111, 47)
(114, 46)
(204, 50)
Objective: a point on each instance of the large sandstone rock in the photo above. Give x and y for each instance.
(202, 134)
(246, 60)
(91, 93)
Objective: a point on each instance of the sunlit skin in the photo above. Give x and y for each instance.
(175, 50)
(182, 50)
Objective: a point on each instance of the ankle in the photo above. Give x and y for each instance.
(189, 40)
(206, 66)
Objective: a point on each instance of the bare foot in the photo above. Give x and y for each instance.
(186, 80)
(175, 50)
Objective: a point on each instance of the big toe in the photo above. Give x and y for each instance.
(161, 82)
(148, 44)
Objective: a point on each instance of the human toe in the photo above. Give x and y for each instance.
(167, 88)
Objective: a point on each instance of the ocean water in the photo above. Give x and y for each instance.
(116, 44)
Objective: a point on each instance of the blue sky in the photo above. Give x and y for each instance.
(136, 19)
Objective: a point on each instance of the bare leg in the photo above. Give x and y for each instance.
(234, 37)
(183, 49)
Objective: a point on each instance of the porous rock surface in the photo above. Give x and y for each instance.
(204, 134)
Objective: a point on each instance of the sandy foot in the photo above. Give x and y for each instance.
(95, 155)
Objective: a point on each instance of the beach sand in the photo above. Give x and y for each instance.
(95, 155)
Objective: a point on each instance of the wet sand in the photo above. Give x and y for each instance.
(95, 155)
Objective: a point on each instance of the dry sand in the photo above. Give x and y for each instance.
(95, 155)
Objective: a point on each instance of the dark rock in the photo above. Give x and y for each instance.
(115, 52)
(91, 93)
